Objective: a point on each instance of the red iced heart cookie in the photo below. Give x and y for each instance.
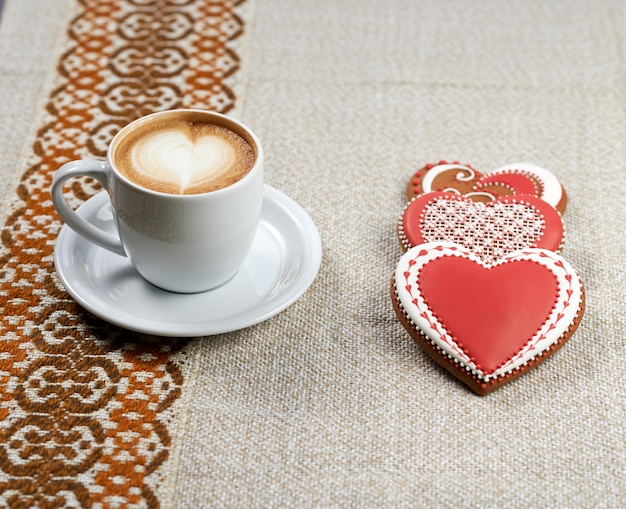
(510, 180)
(490, 230)
(487, 324)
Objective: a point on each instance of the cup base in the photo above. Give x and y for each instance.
(190, 292)
(283, 261)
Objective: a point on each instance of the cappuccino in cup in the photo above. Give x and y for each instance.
(183, 154)
(186, 189)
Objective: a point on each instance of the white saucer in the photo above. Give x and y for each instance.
(283, 262)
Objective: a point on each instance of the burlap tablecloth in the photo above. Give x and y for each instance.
(330, 403)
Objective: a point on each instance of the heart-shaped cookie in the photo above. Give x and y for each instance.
(487, 324)
(490, 230)
(510, 180)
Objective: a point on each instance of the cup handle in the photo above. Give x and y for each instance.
(89, 168)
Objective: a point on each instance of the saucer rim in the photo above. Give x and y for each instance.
(287, 296)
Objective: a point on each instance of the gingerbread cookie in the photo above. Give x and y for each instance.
(510, 180)
(487, 324)
(490, 230)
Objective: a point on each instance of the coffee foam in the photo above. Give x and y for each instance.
(182, 157)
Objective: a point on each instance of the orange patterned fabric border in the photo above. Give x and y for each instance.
(82, 402)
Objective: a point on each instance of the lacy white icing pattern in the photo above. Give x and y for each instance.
(489, 231)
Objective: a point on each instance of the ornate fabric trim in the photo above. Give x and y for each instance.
(83, 405)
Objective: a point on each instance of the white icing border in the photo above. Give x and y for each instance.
(551, 192)
(421, 316)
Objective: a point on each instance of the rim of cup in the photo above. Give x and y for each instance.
(224, 120)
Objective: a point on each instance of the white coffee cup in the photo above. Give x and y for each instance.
(183, 243)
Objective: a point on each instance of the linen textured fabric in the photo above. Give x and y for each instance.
(330, 403)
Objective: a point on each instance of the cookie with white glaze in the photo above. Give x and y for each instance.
(490, 230)
(510, 180)
(487, 324)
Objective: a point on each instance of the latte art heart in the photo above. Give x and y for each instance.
(181, 157)
(178, 159)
